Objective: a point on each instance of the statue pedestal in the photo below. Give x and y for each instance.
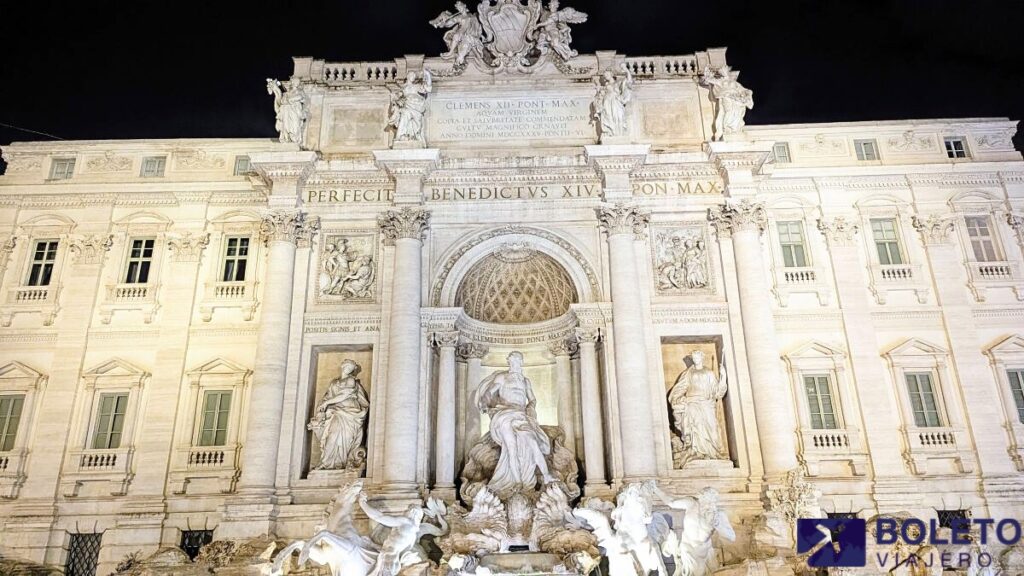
(533, 563)
(331, 478)
(709, 468)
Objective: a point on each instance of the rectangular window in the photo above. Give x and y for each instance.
(242, 166)
(979, 229)
(192, 541)
(41, 270)
(866, 149)
(922, 400)
(236, 258)
(819, 402)
(956, 147)
(83, 554)
(781, 151)
(110, 421)
(10, 416)
(953, 518)
(791, 238)
(1016, 378)
(62, 168)
(886, 241)
(140, 259)
(153, 166)
(216, 408)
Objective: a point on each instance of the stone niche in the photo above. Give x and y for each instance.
(326, 365)
(675, 355)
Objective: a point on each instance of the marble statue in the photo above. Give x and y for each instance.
(626, 532)
(409, 106)
(464, 35)
(398, 549)
(608, 111)
(682, 262)
(553, 32)
(292, 109)
(339, 419)
(691, 546)
(694, 401)
(507, 398)
(337, 261)
(730, 98)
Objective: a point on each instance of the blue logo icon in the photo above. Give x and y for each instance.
(832, 542)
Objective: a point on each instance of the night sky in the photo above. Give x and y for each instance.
(148, 69)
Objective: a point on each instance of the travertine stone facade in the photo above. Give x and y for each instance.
(173, 312)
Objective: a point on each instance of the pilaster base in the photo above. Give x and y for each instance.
(397, 497)
(248, 516)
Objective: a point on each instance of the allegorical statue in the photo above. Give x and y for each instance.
(339, 419)
(507, 398)
(553, 32)
(608, 111)
(292, 109)
(730, 98)
(401, 540)
(694, 402)
(337, 262)
(464, 37)
(682, 263)
(409, 106)
(691, 545)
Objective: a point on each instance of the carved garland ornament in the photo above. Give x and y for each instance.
(736, 217)
(839, 231)
(292, 226)
(472, 350)
(411, 223)
(89, 249)
(934, 229)
(187, 247)
(623, 219)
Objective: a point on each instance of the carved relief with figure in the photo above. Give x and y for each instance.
(681, 259)
(348, 271)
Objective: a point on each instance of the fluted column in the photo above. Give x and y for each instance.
(444, 436)
(404, 228)
(563, 351)
(474, 355)
(744, 222)
(590, 406)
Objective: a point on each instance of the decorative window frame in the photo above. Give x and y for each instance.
(114, 466)
(17, 378)
(18, 298)
(144, 298)
(925, 444)
(981, 276)
(221, 464)
(1008, 354)
(811, 279)
(242, 296)
(844, 443)
(884, 279)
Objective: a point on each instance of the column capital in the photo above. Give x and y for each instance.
(1016, 221)
(187, 246)
(587, 334)
(469, 350)
(285, 225)
(444, 339)
(934, 229)
(733, 217)
(564, 347)
(87, 249)
(623, 219)
(405, 223)
(839, 231)
(614, 164)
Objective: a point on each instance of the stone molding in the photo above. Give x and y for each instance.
(89, 250)
(1016, 222)
(566, 347)
(839, 231)
(934, 229)
(411, 223)
(273, 166)
(294, 226)
(733, 217)
(187, 246)
(587, 335)
(468, 350)
(623, 219)
(444, 339)
(410, 163)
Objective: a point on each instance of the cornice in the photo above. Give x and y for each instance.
(957, 180)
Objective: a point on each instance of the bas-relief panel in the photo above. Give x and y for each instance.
(682, 265)
(328, 367)
(347, 271)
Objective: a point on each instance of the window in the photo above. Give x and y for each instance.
(216, 408)
(979, 229)
(839, 516)
(242, 166)
(10, 416)
(83, 554)
(781, 152)
(819, 402)
(62, 168)
(866, 149)
(153, 166)
(952, 518)
(43, 257)
(236, 257)
(886, 242)
(1016, 378)
(922, 400)
(140, 258)
(110, 421)
(791, 237)
(956, 147)
(192, 541)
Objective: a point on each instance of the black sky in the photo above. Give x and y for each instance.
(150, 69)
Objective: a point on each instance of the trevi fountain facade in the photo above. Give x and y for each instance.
(508, 309)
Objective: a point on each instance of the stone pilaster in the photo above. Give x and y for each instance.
(444, 435)
(473, 354)
(563, 351)
(592, 416)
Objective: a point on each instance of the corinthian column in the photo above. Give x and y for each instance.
(563, 351)
(593, 421)
(444, 438)
(623, 223)
(474, 355)
(405, 229)
(744, 222)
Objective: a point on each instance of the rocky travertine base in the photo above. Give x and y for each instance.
(220, 558)
(11, 567)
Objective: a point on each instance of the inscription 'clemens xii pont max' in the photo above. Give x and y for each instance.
(498, 119)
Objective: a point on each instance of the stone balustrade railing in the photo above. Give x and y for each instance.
(30, 294)
(130, 292)
(993, 270)
(799, 275)
(663, 66)
(229, 290)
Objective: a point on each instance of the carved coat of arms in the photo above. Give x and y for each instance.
(507, 26)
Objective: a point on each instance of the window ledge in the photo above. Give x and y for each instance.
(802, 279)
(12, 472)
(997, 274)
(128, 297)
(832, 445)
(925, 444)
(240, 295)
(31, 299)
(89, 466)
(889, 277)
(217, 464)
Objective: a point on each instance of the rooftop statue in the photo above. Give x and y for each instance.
(292, 109)
(730, 98)
(408, 107)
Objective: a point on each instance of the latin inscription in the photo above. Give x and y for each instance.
(502, 119)
(349, 195)
(541, 192)
(676, 188)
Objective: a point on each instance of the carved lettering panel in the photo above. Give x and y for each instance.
(490, 120)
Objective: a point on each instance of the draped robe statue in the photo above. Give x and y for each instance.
(338, 421)
(694, 401)
(507, 397)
